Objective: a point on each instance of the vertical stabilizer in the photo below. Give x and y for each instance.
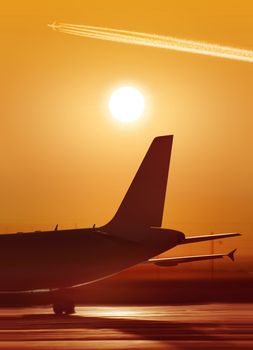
(142, 206)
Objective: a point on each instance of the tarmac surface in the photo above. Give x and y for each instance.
(209, 326)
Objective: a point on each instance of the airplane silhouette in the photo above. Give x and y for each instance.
(54, 25)
(58, 259)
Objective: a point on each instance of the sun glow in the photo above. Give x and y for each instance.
(126, 104)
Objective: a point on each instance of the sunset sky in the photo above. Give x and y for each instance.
(66, 160)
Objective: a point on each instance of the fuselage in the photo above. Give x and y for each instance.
(58, 259)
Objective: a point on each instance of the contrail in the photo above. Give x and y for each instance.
(153, 40)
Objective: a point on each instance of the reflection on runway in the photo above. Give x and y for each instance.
(212, 326)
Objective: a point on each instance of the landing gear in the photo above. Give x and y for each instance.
(64, 308)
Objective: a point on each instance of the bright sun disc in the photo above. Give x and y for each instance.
(126, 104)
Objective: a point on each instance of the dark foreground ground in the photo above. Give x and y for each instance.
(146, 285)
(206, 326)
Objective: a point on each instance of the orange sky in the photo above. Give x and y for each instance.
(65, 160)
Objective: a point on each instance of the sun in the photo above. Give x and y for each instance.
(126, 104)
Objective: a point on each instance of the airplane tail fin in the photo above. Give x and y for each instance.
(142, 206)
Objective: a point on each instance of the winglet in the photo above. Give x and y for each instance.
(231, 255)
(56, 228)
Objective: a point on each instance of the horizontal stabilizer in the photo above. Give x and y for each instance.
(195, 239)
(231, 255)
(185, 259)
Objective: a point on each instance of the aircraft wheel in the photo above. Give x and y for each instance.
(69, 308)
(66, 308)
(58, 310)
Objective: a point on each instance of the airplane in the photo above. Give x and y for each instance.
(54, 25)
(61, 259)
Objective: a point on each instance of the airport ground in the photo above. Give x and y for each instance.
(142, 310)
(203, 326)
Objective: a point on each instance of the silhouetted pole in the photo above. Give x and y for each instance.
(212, 261)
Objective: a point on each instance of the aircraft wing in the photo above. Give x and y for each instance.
(194, 239)
(185, 259)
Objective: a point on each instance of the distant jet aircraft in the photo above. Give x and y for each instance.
(53, 25)
(58, 259)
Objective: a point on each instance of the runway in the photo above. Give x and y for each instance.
(209, 326)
